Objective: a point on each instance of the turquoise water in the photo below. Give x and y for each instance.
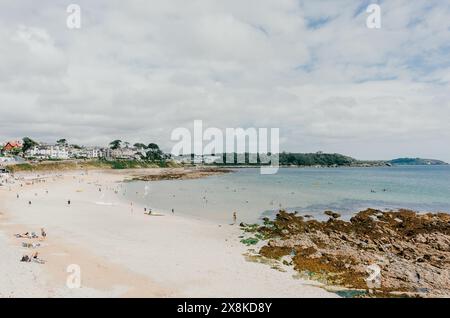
(307, 190)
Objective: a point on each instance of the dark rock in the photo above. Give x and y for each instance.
(334, 215)
(404, 244)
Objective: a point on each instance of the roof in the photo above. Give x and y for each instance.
(12, 144)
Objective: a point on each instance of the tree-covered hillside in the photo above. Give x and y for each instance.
(416, 161)
(313, 159)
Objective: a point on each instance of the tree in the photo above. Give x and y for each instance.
(16, 151)
(153, 146)
(139, 145)
(154, 153)
(62, 142)
(310, 159)
(141, 150)
(28, 143)
(116, 144)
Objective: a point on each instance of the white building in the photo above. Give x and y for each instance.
(206, 159)
(125, 153)
(94, 153)
(76, 152)
(210, 159)
(182, 159)
(48, 152)
(91, 153)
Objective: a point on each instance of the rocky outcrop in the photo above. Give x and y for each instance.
(180, 174)
(411, 250)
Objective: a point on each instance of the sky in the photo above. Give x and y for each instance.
(138, 69)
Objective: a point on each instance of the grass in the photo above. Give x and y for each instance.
(87, 164)
(131, 164)
(44, 166)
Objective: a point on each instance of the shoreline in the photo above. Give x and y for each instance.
(115, 244)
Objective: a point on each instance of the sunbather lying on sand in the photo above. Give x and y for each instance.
(30, 245)
(25, 258)
(34, 258)
(27, 235)
(24, 235)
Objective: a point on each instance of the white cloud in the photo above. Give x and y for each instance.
(139, 69)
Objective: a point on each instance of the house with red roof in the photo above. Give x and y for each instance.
(10, 145)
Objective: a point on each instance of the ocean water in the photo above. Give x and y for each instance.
(306, 190)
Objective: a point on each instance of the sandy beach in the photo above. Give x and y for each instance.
(121, 251)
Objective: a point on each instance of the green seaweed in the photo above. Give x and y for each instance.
(250, 241)
(351, 293)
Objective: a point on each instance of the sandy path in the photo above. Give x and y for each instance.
(123, 252)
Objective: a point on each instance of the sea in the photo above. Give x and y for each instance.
(312, 191)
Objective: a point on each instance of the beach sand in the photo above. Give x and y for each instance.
(121, 251)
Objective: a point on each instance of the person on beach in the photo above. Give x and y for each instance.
(68, 202)
(34, 257)
(234, 217)
(29, 202)
(24, 235)
(43, 234)
(173, 211)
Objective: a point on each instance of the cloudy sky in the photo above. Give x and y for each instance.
(136, 70)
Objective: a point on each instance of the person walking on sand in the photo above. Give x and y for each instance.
(43, 234)
(173, 211)
(234, 217)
